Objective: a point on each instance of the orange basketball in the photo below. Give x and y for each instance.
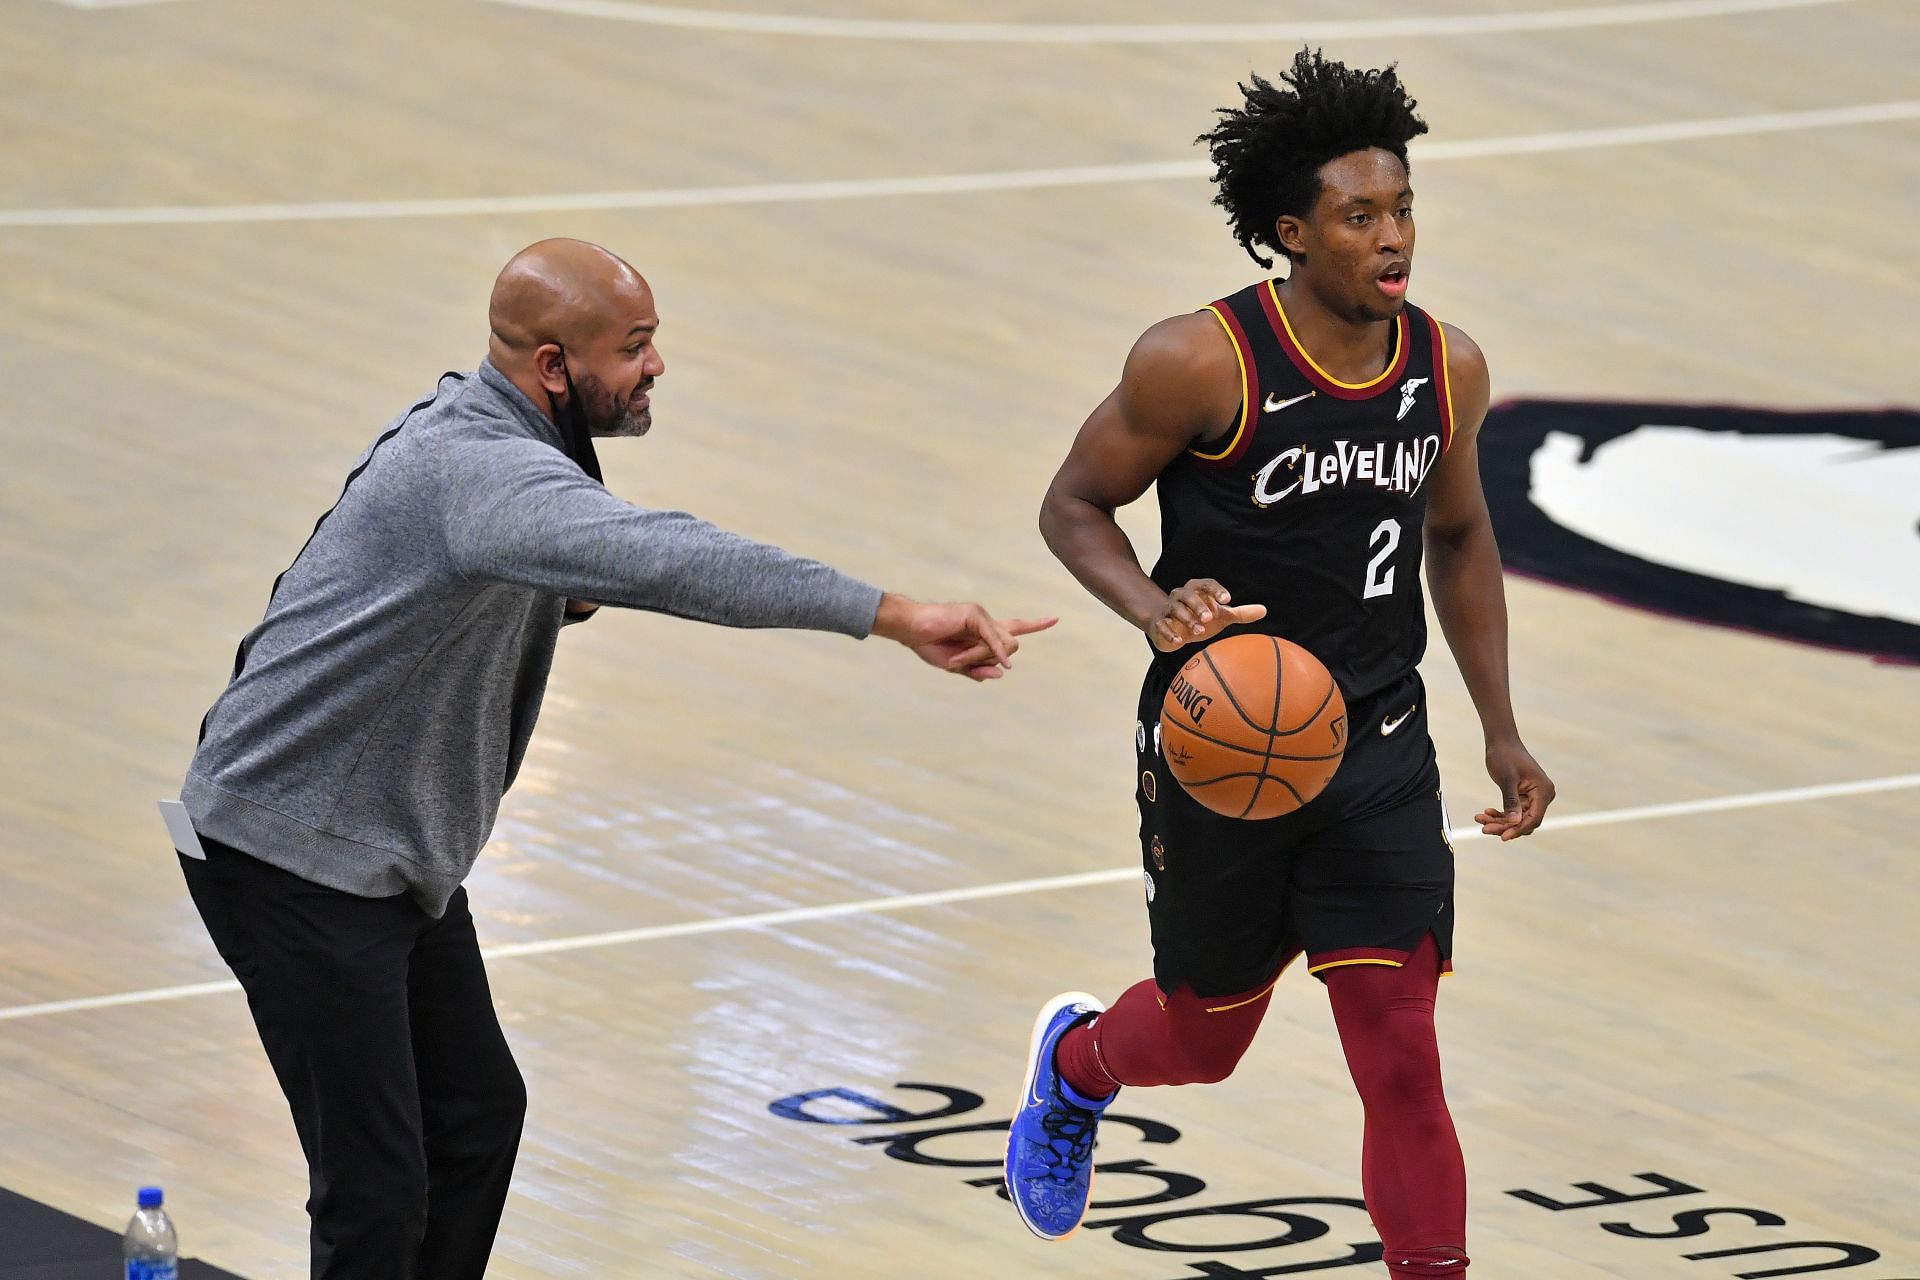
(1253, 726)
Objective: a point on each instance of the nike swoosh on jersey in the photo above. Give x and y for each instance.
(1274, 406)
(1387, 726)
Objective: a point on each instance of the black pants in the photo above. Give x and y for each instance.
(381, 1029)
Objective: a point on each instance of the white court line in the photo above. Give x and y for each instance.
(785, 24)
(948, 184)
(1004, 889)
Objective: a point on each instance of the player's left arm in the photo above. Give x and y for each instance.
(1469, 595)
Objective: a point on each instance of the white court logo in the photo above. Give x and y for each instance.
(1802, 525)
(1825, 519)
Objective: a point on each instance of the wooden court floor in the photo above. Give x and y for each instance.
(730, 897)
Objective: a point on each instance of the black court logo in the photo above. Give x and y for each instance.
(1801, 1257)
(1801, 526)
(1164, 1211)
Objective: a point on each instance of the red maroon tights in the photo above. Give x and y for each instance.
(1411, 1170)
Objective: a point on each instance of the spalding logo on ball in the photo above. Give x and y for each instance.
(1253, 726)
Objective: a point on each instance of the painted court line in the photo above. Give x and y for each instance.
(947, 184)
(1004, 889)
(788, 24)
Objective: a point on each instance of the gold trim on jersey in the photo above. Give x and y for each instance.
(1341, 964)
(1446, 964)
(1246, 393)
(1446, 381)
(1263, 993)
(1393, 361)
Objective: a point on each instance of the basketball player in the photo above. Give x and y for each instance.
(347, 778)
(1308, 436)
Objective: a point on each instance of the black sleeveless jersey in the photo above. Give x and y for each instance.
(1314, 504)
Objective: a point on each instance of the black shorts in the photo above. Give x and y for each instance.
(1359, 875)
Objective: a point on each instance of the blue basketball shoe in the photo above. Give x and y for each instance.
(1050, 1145)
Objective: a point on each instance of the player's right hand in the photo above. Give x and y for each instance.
(1197, 612)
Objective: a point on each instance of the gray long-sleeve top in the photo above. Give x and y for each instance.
(384, 703)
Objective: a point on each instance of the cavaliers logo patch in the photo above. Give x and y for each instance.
(1159, 852)
(1148, 787)
(1802, 526)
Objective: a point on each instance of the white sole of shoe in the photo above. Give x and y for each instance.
(1047, 1012)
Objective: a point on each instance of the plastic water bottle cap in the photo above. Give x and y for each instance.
(149, 1197)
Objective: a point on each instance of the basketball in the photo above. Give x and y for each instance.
(1253, 726)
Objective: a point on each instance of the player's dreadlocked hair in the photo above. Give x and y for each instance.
(1267, 154)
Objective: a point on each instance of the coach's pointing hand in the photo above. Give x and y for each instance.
(1198, 611)
(962, 638)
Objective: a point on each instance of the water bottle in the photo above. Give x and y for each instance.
(150, 1247)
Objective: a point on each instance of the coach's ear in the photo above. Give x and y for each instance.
(550, 367)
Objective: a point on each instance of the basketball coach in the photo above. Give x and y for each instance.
(348, 776)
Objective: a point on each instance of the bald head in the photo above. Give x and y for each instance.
(561, 291)
(565, 309)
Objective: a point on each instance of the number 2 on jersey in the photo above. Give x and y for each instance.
(1387, 534)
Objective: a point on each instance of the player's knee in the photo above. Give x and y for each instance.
(1211, 1071)
(1404, 1071)
(1209, 1061)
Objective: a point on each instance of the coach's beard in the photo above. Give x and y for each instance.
(626, 420)
(631, 422)
(603, 418)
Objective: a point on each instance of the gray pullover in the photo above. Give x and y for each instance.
(382, 706)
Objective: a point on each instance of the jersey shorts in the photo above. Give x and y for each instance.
(1358, 875)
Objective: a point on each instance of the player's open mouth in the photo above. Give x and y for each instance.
(1393, 281)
